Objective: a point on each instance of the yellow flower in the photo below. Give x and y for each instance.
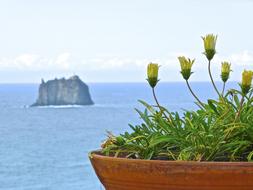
(247, 78)
(246, 81)
(152, 72)
(209, 45)
(225, 71)
(225, 67)
(186, 65)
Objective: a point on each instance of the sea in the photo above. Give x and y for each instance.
(46, 148)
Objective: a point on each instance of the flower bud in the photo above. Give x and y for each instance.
(246, 81)
(209, 45)
(152, 72)
(186, 65)
(225, 71)
(108, 142)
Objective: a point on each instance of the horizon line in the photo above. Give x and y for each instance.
(126, 82)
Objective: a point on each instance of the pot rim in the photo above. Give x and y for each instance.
(94, 155)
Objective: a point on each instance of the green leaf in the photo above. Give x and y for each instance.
(149, 107)
(212, 106)
(249, 157)
(237, 101)
(158, 140)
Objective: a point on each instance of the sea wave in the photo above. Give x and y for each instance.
(58, 106)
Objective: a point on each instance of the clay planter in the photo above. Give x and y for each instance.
(133, 174)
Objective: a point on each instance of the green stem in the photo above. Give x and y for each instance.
(158, 105)
(240, 109)
(223, 89)
(210, 74)
(189, 87)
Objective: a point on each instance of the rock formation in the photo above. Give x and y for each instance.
(72, 91)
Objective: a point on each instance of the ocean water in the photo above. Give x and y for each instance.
(46, 148)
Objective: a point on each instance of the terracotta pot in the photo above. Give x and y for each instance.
(133, 174)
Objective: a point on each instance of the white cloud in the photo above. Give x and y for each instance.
(35, 62)
(66, 60)
(114, 63)
(243, 58)
(26, 60)
(68, 63)
(63, 60)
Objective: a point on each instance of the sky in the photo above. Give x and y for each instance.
(114, 40)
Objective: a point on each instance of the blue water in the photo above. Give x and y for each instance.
(46, 148)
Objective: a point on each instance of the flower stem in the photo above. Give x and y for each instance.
(223, 89)
(189, 87)
(240, 108)
(158, 105)
(210, 74)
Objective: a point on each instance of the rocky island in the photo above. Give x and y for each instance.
(72, 91)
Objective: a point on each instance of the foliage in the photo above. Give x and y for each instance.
(220, 130)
